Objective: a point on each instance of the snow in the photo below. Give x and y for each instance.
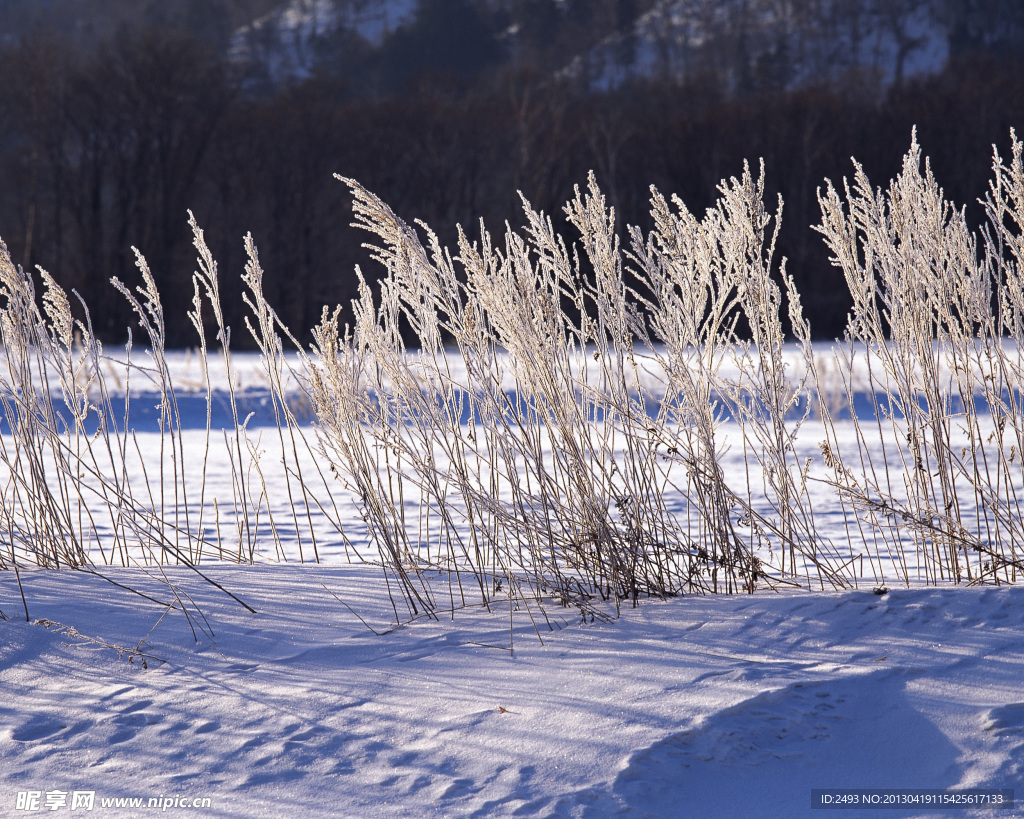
(284, 40)
(315, 703)
(682, 38)
(699, 706)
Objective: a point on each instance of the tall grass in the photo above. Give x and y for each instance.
(536, 418)
(936, 470)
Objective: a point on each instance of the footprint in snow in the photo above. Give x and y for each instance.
(37, 728)
(1006, 724)
(1007, 720)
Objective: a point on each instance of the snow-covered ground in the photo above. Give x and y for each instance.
(699, 706)
(299, 696)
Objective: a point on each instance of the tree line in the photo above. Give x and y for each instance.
(105, 148)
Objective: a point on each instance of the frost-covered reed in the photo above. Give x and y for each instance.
(937, 320)
(544, 418)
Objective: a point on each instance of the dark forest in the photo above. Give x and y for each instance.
(110, 133)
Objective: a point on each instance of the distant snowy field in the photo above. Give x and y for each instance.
(698, 706)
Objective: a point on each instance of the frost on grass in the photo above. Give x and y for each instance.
(549, 420)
